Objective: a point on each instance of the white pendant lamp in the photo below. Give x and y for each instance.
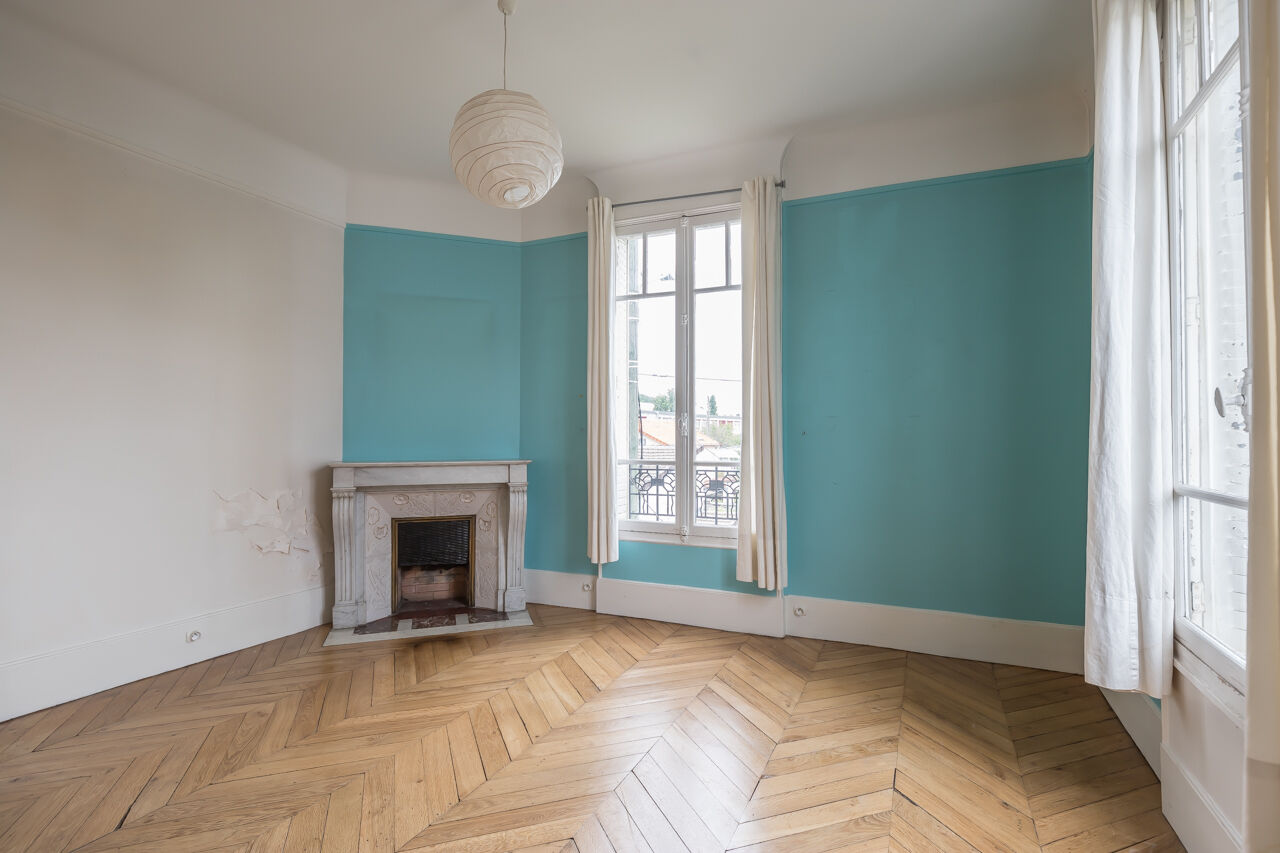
(504, 147)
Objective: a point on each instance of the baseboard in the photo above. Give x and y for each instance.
(1042, 645)
(51, 678)
(687, 605)
(1141, 718)
(1201, 826)
(563, 589)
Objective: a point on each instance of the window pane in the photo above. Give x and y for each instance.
(1218, 554)
(627, 264)
(660, 274)
(717, 401)
(708, 256)
(1188, 55)
(1215, 353)
(644, 384)
(735, 253)
(1226, 26)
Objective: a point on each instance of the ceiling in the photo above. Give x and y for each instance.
(374, 84)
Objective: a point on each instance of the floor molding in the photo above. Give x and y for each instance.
(1041, 645)
(1141, 718)
(51, 678)
(687, 605)
(562, 589)
(1201, 826)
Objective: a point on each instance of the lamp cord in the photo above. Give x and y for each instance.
(504, 50)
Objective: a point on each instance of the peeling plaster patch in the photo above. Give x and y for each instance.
(276, 524)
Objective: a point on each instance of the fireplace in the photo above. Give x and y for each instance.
(370, 498)
(434, 563)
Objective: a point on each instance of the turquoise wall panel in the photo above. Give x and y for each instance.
(431, 344)
(935, 365)
(553, 404)
(936, 393)
(708, 568)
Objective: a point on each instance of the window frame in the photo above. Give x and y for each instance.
(684, 530)
(1224, 661)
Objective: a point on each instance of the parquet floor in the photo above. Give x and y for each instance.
(583, 732)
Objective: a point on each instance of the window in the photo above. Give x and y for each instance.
(1207, 162)
(677, 378)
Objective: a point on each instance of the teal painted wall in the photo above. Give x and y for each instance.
(431, 340)
(553, 404)
(936, 393)
(553, 432)
(935, 367)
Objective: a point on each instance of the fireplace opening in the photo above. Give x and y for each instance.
(434, 560)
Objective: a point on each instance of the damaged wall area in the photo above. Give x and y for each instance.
(278, 522)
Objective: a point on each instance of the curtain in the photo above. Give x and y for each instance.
(762, 513)
(1129, 587)
(602, 513)
(1262, 664)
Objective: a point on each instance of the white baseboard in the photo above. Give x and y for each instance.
(51, 678)
(563, 589)
(1042, 645)
(687, 605)
(1141, 718)
(1200, 824)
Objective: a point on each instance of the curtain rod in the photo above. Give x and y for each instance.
(779, 184)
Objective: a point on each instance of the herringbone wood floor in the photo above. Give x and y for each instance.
(584, 732)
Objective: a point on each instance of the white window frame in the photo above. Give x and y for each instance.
(684, 530)
(1223, 661)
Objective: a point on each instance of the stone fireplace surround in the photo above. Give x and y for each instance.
(368, 495)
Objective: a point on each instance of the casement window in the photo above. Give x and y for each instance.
(1208, 163)
(677, 377)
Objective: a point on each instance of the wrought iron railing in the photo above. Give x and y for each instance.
(716, 493)
(651, 492)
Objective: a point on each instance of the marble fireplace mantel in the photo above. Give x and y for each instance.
(367, 496)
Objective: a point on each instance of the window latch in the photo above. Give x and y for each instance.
(1197, 596)
(684, 533)
(684, 423)
(1239, 398)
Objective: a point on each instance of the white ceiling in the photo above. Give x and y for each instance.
(374, 84)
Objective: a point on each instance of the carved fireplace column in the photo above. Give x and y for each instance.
(348, 567)
(513, 597)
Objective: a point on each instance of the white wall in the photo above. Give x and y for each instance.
(166, 339)
(1202, 757)
(1035, 128)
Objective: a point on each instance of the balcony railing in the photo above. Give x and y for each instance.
(716, 493)
(651, 492)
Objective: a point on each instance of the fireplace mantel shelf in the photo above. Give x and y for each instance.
(428, 464)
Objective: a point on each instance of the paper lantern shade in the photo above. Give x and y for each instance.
(505, 149)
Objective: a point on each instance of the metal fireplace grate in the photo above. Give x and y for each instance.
(439, 543)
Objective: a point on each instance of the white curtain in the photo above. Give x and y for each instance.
(1262, 665)
(762, 513)
(1129, 587)
(602, 514)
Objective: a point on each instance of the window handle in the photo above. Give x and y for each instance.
(1240, 398)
